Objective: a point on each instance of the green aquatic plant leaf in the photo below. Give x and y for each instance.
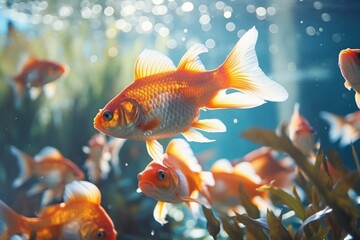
(250, 208)
(315, 217)
(285, 198)
(254, 227)
(213, 224)
(276, 228)
(282, 142)
(232, 229)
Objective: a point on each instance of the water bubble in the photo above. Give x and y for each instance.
(250, 8)
(112, 52)
(318, 5)
(273, 49)
(109, 11)
(126, 164)
(291, 66)
(157, 2)
(96, 9)
(336, 37)
(203, 8)
(171, 43)
(326, 17)
(93, 58)
(164, 31)
(65, 11)
(310, 31)
(273, 28)
(110, 33)
(187, 6)
(86, 12)
(271, 11)
(227, 14)
(230, 26)
(204, 19)
(206, 27)
(159, 10)
(235, 121)
(260, 13)
(146, 26)
(152, 233)
(128, 10)
(219, 5)
(210, 43)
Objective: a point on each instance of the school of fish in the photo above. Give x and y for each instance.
(162, 102)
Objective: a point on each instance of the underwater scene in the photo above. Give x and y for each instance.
(178, 119)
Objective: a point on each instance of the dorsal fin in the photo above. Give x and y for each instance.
(190, 61)
(25, 61)
(245, 169)
(83, 191)
(48, 152)
(181, 150)
(151, 62)
(222, 165)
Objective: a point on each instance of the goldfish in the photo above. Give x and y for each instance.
(346, 128)
(100, 153)
(80, 216)
(165, 100)
(225, 194)
(35, 73)
(177, 178)
(52, 169)
(349, 64)
(301, 132)
(270, 168)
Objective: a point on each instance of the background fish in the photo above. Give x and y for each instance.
(79, 217)
(164, 100)
(349, 64)
(52, 170)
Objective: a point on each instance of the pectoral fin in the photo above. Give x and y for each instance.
(160, 212)
(155, 150)
(193, 135)
(209, 125)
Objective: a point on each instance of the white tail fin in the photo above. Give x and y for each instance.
(243, 72)
(25, 162)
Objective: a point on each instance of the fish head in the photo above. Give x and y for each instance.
(349, 64)
(118, 118)
(99, 228)
(159, 182)
(53, 71)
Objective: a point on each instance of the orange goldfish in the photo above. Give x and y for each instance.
(347, 128)
(301, 132)
(35, 73)
(225, 193)
(165, 100)
(100, 153)
(52, 170)
(80, 216)
(269, 168)
(349, 64)
(176, 178)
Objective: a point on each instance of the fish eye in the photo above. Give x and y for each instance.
(107, 115)
(100, 234)
(358, 54)
(161, 175)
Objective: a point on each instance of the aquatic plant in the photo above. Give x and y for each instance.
(327, 211)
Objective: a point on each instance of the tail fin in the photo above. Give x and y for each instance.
(14, 222)
(244, 74)
(18, 90)
(25, 162)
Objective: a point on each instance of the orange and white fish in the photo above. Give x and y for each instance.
(165, 100)
(100, 153)
(270, 168)
(349, 64)
(35, 73)
(347, 128)
(176, 178)
(301, 132)
(225, 193)
(80, 216)
(52, 169)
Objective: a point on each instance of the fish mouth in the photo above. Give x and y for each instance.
(148, 188)
(96, 121)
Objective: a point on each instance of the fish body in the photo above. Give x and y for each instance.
(346, 129)
(80, 216)
(349, 64)
(269, 168)
(100, 153)
(165, 100)
(35, 73)
(225, 193)
(175, 179)
(301, 132)
(52, 170)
